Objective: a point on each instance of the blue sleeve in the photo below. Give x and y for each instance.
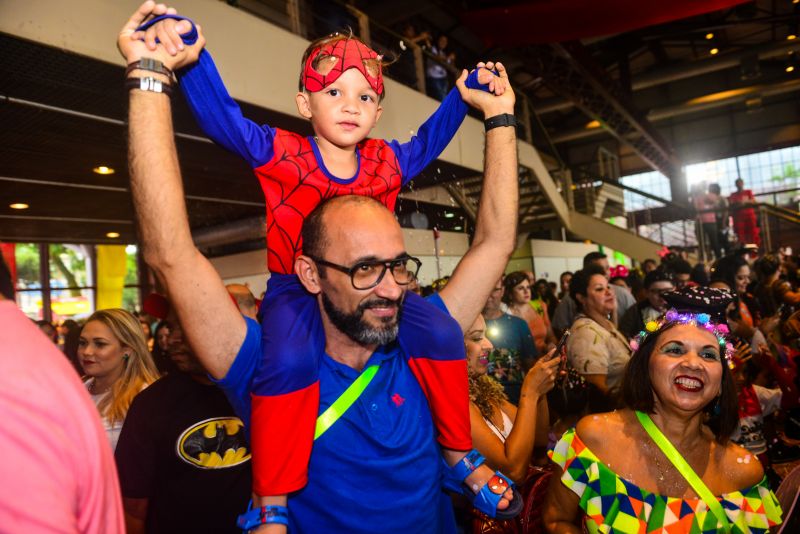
(220, 116)
(435, 134)
(437, 301)
(238, 382)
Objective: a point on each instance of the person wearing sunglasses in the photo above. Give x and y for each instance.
(656, 283)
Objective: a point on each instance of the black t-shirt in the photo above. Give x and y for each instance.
(183, 448)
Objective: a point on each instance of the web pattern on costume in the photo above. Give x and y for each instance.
(613, 504)
(294, 185)
(345, 51)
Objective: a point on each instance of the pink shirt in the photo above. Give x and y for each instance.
(706, 201)
(57, 472)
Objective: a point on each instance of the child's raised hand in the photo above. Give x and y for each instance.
(164, 39)
(487, 77)
(503, 99)
(130, 46)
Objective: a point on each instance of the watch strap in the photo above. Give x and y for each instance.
(504, 119)
(148, 84)
(151, 65)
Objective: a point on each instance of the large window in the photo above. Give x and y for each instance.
(771, 171)
(71, 281)
(652, 182)
(765, 172)
(28, 282)
(131, 293)
(58, 281)
(721, 171)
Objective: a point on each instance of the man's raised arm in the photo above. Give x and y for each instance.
(214, 327)
(496, 226)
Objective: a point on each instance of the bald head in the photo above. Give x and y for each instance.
(337, 216)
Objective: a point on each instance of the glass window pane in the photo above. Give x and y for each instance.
(132, 274)
(130, 294)
(71, 271)
(30, 302)
(26, 256)
(70, 266)
(652, 182)
(71, 304)
(130, 299)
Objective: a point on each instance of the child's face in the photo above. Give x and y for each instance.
(343, 113)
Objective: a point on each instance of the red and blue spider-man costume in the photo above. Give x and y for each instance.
(285, 391)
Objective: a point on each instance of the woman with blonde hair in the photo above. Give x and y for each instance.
(112, 351)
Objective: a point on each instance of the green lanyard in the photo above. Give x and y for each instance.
(345, 400)
(684, 469)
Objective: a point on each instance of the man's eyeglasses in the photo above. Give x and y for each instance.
(368, 274)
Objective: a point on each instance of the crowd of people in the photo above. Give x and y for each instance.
(653, 399)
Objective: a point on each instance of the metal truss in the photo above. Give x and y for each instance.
(568, 70)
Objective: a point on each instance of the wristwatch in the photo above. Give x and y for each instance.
(505, 119)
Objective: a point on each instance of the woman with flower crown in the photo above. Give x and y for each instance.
(664, 462)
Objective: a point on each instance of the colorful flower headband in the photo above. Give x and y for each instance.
(701, 320)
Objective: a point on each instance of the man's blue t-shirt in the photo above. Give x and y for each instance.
(237, 384)
(378, 468)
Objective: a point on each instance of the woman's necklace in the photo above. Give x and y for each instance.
(658, 464)
(95, 390)
(672, 483)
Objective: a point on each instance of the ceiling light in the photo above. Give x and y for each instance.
(449, 215)
(709, 36)
(112, 235)
(789, 68)
(714, 51)
(457, 228)
(791, 37)
(592, 124)
(18, 206)
(102, 169)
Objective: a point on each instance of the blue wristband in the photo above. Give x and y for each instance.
(263, 516)
(189, 37)
(465, 466)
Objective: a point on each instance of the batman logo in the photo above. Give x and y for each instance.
(216, 443)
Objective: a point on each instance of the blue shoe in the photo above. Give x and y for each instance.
(489, 496)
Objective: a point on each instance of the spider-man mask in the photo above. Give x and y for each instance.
(325, 64)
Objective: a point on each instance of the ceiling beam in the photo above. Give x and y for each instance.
(682, 71)
(571, 72)
(693, 105)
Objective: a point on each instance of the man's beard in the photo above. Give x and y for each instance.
(356, 328)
